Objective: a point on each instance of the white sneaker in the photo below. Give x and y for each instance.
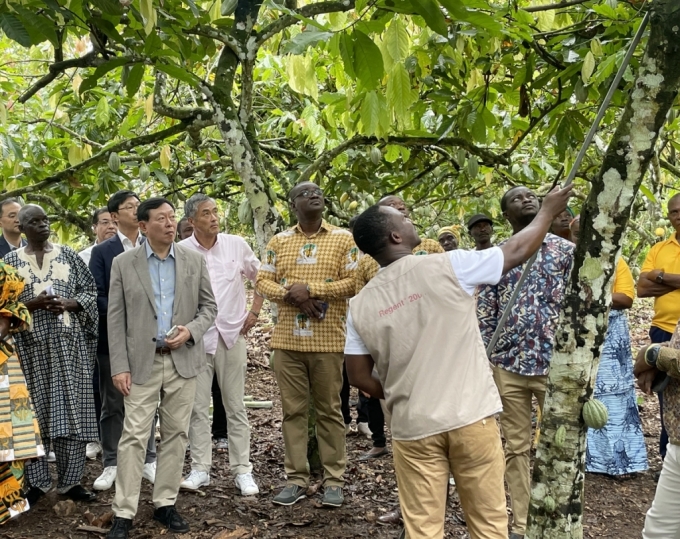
(195, 480)
(106, 479)
(149, 472)
(92, 450)
(51, 457)
(246, 483)
(362, 428)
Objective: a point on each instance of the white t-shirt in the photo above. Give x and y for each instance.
(472, 268)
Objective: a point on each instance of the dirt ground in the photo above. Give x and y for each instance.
(614, 508)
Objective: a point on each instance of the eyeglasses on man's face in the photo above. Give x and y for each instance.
(308, 193)
(129, 207)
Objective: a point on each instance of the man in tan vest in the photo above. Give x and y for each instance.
(415, 323)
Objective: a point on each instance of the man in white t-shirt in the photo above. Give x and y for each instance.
(413, 340)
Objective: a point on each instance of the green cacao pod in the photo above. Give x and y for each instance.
(560, 436)
(144, 172)
(376, 155)
(245, 212)
(370, 200)
(228, 7)
(114, 162)
(595, 414)
(473, 167)
(549, 504)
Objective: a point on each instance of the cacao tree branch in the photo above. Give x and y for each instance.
(487, 156)
(213, 33)
(90, 59)
(64, 214)
(66, 130)
(670, 168)
(162, 108)
(100, 157)
(558, 5)
(310, 10)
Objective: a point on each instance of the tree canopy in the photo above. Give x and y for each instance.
(444, 102)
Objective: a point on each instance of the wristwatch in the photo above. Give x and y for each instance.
(659, 278)
(652, 355)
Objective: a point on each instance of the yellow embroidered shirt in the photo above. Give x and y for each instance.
(326, 262)
(368, 267)
(665, 255)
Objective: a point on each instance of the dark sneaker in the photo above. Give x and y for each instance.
(169, 517)
(33, 495)
(332, 497)
(80, 494)
(119, 528)
(290, 495)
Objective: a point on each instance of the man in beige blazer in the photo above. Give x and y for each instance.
(160, 305)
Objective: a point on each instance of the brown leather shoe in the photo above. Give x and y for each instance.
(391, 517)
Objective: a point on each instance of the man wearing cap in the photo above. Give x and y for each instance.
(449, 238)
(480, 227)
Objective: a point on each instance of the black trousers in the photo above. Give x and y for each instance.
(376, 420)
(219, 421)
(362, 415)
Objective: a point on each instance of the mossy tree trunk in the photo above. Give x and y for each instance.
(559, 472)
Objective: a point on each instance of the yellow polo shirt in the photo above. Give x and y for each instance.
(665, 255)
(623, 280)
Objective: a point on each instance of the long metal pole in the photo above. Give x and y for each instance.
(572, 174)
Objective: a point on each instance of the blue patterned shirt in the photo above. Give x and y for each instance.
(162, 273)
(526, 342)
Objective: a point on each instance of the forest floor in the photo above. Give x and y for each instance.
(614, 508)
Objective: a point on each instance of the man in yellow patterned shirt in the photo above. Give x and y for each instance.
(308, 271)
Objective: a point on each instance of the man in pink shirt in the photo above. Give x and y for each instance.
(228, 258)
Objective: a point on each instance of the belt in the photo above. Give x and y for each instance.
(163, 351)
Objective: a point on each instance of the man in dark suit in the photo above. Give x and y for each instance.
(123, 209)
(9, 222)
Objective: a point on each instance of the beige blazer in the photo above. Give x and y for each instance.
(132, 313)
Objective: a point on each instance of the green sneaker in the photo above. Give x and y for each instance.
(332, 497)
(290, 495)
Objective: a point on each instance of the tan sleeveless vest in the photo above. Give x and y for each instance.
(421, 329)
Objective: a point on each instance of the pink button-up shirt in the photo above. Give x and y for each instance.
(228, 260)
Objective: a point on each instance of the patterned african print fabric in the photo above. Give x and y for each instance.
(619, 447)
(368, 267)
(326, 261)
(526, 341)
(58, 351)
(19, 433)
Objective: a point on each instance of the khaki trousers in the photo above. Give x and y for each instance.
(230, 367)
(474, 455)
(298, 374)
(176, 400)
(516, 393)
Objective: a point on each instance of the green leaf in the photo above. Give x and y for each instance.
(91, 81)
(134, 79)
(346, 46)
(400, 95)
(430, 11)
(392, 153)
(14, 29)
(101, 115)
(110, 7)
(370, 114)
(368, 62)
(39, 24)
(397, 41)
(302, 41)
(588, 67)
(646, 191)
(179, 73)
(482, 20)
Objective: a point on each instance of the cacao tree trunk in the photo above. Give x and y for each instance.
(559, 471)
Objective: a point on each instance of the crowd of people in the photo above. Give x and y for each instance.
(99, 347)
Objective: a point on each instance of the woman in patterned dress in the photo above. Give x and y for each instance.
(19, 432)
(619, 447)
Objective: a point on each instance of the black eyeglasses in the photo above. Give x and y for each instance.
(308, 193)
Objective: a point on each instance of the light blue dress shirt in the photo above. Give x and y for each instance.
(162, 272)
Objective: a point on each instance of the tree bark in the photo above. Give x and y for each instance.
(559, 472)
